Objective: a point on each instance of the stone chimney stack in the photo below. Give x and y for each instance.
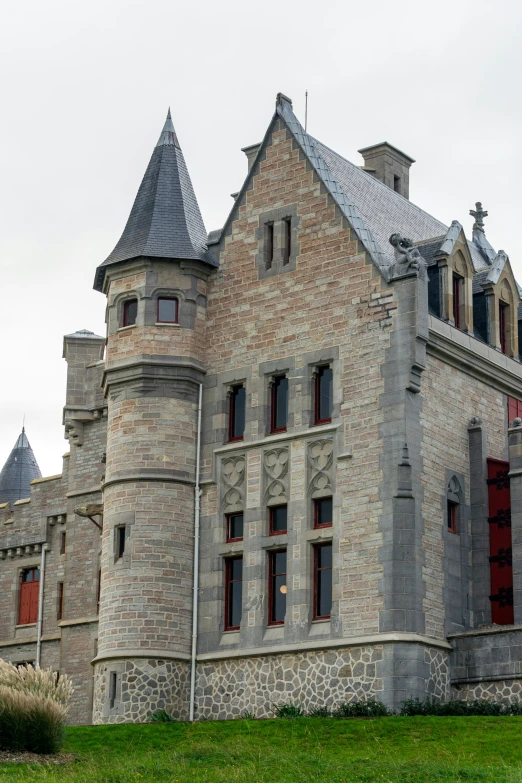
(390, 165)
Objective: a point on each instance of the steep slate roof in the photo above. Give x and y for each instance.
(20, 469)
(165, 220)
(374, 210)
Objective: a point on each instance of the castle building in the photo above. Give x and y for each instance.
(295, 466)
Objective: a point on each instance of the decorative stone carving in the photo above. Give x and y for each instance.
(320, 461)
(407, 257)
(275, 466)
(233, 482)
(74, 432)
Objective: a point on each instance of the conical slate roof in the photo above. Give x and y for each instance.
(20, 469)
(165, 221)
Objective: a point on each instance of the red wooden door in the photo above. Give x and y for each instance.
(500, 542)
(29, 596)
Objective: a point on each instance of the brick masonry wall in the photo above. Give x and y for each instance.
(450, 399)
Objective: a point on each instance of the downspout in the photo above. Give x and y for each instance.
(197, 503)
(40, 606)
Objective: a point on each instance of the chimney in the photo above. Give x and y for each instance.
(251, 153)
(390, 165)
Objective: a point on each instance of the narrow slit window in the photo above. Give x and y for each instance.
(269, 244)
(278, 520)
(59, 613)
(236, 421)
(323, 395)
(233, 593)
(120, 541)
(322, 581)
(279, 406)
(98, 592)
(397, 183)
(167, 310)
(234, 527)
(130, 312)
(502, 324)
(113, 681)
(458, 283)
(287, 226)
(63, 541)
(452, 516)
(323, 510)
(277, 588)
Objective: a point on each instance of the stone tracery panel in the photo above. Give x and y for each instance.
(233, 483)
(320, 462)
(276, 476)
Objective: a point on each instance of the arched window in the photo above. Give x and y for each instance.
(453, 503)
(130, 312)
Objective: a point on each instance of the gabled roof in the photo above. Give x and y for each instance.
(373, 210)
(165, 220)
(20, 469)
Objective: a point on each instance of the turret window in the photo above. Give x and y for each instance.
(130, 312)
(167, 312)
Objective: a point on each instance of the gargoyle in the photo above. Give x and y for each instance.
(407, 257)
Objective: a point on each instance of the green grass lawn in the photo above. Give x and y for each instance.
(307, 750)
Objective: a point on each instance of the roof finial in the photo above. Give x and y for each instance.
(479, 214)
(168, 136)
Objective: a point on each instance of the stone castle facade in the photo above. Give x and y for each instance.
(318, 407)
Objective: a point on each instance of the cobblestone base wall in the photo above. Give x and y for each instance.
(438, 685)
(508, 690)
(226, 689)
(143, 685)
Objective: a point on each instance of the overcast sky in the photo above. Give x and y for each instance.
(85, 90)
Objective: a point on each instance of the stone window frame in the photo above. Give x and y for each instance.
(230, 408)
(228, 515)
(460, 266)
(268, 372)
(270, 509)
(226, 563)
(273, 430)
(186, 308)
(317, 421)
(454, 495)
(500, 294)
(20, 581)
(315, 547)
(280, 261)
(312, 360)
(118, 305)
(271, 554)
(116, 670)
(124, 315)
(315, 502)
(122, 519)
(457, 546)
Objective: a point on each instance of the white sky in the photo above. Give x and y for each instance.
(85, 90)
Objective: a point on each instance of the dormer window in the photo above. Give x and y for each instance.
(458, 300)
(167, 311)
(503, 320)
(130, 312)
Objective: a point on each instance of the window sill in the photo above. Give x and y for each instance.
(167, 323)
(126, 328)
(320, 534)
(25, 625)
(319, 422)
(236, 440)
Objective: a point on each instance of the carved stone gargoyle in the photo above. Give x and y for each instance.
(407, 257)
(90, 511)
(74, 432)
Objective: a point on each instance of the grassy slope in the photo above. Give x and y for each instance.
(308, 750)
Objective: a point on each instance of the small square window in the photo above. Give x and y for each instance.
(236, 417)
(130, 312)
(234, 527)
(278, 520)
(323, 395)
(323, 510)
(167, 311)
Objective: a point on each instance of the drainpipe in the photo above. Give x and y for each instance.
(40, 606)
(197, 503)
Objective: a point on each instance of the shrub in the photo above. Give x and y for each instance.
(371, 708)
(33, 707)
(288, 710)
(456, 707)
(320, 712)
(161, 716)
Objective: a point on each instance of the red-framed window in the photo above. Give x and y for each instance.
(29, 588)
(322, 581)
(458, 283)
(279, 404)
(514, 409)
(234, 523)
(503, 314)
(323, 395)
(167, 310)
(59, 612)
(130, 312)
(323, 512)
(278, 520)
(236, 413)
(452, 516)
(233, 592)
(277, 587)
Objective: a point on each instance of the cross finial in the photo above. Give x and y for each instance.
(479, 214)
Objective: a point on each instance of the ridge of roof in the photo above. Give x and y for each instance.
(19, 470)
(165, 220)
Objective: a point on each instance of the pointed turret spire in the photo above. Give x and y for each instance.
(165, 220)
(20, 469)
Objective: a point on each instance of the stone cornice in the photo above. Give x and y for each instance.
(123, 655)
(354, 641)
(153, 369)
(474, 358)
